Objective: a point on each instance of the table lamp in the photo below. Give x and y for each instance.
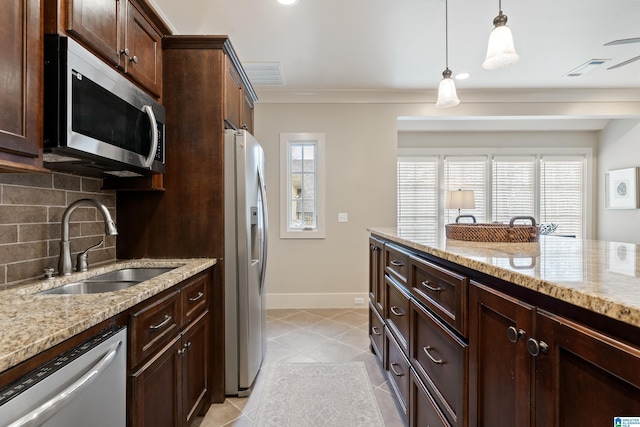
(461, 199)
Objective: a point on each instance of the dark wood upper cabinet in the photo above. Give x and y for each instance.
(125, 33)
(21, 81)
(97, 23)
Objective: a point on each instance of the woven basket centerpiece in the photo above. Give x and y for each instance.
(495, 232)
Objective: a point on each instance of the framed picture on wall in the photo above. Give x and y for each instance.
(621, 187)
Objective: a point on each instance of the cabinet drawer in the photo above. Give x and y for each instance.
(398, 369)
(153, 325)
(396, 312)
(440, 359)
(423, 408)
(194, 297)
(376, 332)
(442, 290)
(396, 263)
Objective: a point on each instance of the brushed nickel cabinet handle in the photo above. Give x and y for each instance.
(515, 334)
(537, 347)
(427, 351)
(162, 324)
(396, 263)
(393, 369)
(431, 288)
(197, 297)
(376, 331)
(395, 310)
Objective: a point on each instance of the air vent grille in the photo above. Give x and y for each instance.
(264, 73)
(586, 67)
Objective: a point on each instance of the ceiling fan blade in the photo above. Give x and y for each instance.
(628, 61)
(623, 41)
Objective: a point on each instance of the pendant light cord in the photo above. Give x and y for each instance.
(446, 33)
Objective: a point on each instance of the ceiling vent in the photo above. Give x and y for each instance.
(586, 67)
(264, 73)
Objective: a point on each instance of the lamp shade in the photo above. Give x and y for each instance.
(460, 199)
(500, 51)
(447, 96)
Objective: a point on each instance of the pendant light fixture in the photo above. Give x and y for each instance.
(500, 51)
(447, 96)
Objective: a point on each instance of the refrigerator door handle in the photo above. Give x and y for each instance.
(265, 234)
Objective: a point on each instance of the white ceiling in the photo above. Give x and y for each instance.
(395, 49)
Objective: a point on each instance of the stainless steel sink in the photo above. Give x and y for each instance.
(130, 275)
(108, 282)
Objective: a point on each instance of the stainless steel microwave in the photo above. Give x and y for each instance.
(97, 122)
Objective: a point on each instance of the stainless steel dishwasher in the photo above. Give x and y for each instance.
(83, 387)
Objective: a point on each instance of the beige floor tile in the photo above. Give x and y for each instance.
(332, 351)
(328, 328)
(309, 336)
(353, 318)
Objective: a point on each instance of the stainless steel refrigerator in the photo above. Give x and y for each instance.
(245, 260)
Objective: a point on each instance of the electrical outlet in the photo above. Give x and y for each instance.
(343, 217)
(358, 301)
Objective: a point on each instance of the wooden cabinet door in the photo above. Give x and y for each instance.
(97, 23)
(233, 96)
(195, 379)
(21, 70)
(142, 51)
(153, 389)
(376, 273)
(500, 370)
(584, 378)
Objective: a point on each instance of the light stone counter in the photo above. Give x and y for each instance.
(32, 323)
(603, 277)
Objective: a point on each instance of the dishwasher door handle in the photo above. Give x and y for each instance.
(45, 411)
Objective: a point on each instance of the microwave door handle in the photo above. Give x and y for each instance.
(154, 136)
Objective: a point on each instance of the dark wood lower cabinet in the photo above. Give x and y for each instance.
(153, 389)
(584, 378)
(528, 360)
(195, 361)
(500, 369)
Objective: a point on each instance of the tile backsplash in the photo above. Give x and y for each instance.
(31, 207)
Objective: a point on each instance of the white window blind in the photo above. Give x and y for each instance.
(561, 194)
(418, 198)
(463, 173)
(513, 187)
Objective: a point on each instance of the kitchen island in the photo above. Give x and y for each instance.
(473, 333)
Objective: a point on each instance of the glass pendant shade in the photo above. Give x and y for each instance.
(447, 96)
(500, 51)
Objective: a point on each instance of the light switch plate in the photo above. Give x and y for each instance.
(343, 217)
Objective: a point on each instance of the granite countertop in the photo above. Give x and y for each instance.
(31, 323)
(601, 276)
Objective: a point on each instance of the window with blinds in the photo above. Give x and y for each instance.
(418, 198)
(513, 187)
(561, 194)
(466, 173)
(549, 188)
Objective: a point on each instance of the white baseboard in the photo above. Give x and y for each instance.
(316, 301)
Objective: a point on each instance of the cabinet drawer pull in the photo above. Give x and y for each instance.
(395, 310)
(431, 288)
(162, 324)
(396, 263)
(197, 297)
(376, 331)
(393, 369)
(537, 348)
(427, 351)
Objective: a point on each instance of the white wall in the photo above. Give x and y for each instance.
(360, 180)
(619, 148)
(361, 151)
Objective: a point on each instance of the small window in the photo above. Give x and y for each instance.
(302, 186)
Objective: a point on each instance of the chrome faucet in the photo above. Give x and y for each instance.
(64, 263)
